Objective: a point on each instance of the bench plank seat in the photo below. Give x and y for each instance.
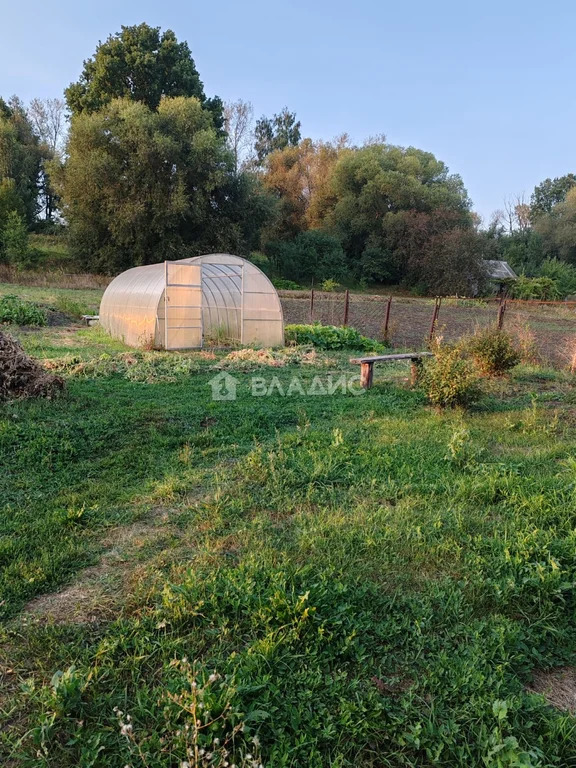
(386, 358)
(367, 365)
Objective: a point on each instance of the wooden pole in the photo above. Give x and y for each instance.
(387, 320)
(434, 317)
(501, 311)
(312, 305)
(346, 306)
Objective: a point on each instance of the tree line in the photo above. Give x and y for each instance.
(138, 165)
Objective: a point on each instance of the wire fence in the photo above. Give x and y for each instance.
(545, 331)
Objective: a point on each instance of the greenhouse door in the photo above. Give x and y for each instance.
(183, 306)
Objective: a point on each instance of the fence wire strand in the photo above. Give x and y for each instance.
(546, 332)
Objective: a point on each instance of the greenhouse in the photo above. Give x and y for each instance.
(217, 298)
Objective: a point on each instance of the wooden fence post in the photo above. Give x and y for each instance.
(501, 311)
(312, 305)
(435, 317)
(346, 306)
(387, 320)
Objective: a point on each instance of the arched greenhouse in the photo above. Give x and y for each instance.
(183, 304)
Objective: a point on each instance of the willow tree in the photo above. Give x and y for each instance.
(142, 185)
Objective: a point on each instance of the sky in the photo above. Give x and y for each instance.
(488, 86)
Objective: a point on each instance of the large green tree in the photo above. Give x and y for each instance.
(557, 229)
(384, 198)
(20, 159)
(142, 185)
(143, 64)
(549, 193)
(278, 132)
(300, 178)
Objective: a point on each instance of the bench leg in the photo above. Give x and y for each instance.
(415, 370)
(366, 373)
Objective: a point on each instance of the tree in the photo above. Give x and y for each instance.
(310, 257)
(278, 132)
(238, 126)
(9, 200)
(142, 64)
(449, 261)
(549, 193)
(515, 217)
(48, 116)
(140, 185)
(557, 229)
(20, 157)
(384, 198)
(300, 178)
(14, 237)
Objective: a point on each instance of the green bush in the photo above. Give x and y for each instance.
(535, 289)
(331, 337)
(281, 284)
(14, 237)
(449, 379)
(330, 285)
(493, 351)
(563, 274)
(14, 310)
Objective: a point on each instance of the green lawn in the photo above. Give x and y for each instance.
(368, 582)
(86, 300)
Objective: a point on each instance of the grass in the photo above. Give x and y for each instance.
(57, 298)
(353, 580)
(54, 248)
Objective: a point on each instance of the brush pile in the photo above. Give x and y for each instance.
(21, 376)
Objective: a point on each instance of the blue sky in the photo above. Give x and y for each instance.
(487, 87)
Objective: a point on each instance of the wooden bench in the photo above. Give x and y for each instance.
(367, 365)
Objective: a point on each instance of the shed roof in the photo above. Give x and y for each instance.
(499, 270)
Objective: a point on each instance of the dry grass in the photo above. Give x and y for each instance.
(52, 278)
(558, 686)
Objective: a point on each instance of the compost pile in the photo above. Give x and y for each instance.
(21, 376)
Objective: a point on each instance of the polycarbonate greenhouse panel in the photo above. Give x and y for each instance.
(186, 303)
(182, 306)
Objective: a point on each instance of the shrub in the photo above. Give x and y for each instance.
(449, 379)
(563, 274)
(14, 310)
(331, 337)
(330, 285)
(261, 261)
(14, 237)
(493, 351)
(535, 289)
(30, 259)
(281, 284)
